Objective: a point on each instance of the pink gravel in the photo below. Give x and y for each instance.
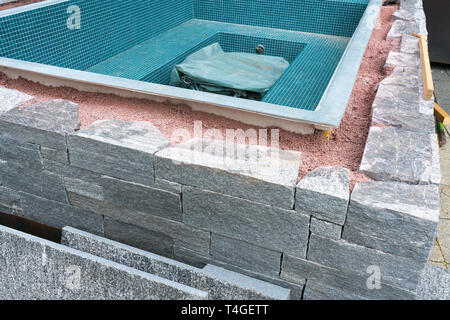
(344, 148)
(17, 3)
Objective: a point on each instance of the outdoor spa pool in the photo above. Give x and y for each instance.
(130, 48)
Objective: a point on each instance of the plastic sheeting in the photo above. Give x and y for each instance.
(236, 74)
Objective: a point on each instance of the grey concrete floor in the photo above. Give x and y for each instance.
(441, 78)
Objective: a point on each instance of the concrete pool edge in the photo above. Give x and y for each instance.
(327, 115)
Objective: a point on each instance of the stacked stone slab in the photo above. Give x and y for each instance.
(241, 207)
(219, 283)
(33, 268)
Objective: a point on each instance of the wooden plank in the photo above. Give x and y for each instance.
(428, 85)
(441, 115)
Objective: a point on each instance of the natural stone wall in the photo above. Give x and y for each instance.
(195, 203)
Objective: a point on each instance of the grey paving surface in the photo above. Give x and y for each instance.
(434, 284)
(441, 78)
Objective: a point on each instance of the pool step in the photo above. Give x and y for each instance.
(219, 283)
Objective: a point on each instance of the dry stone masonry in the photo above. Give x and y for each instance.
(244, 227)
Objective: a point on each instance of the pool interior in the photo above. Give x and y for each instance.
(144, 40)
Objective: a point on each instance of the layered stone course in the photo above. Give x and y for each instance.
(200, 203)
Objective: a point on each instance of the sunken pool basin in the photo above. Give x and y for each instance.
(130, 48)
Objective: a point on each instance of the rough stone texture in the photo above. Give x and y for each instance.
(141, 198)
(58, 215)
(434, 284)
(269, 227)
(138, 237)
(219, 283)
(85, 189)
(199, 260)
(256, 173)
(33, 268)
(69, 171)
(27, 154)
(381, 213)
(182, 234)
(399, 107)
(435, 171)
(245, 255)
(403, 15)
(351, 259)
(167, 185)
(410, 44)
(324, 193)
(412, 10)
(315, 290)
(401, 27)
(400, 59)
(326, 229)
(54, 155)
(44, 123)
(333, 283)
(260, 288)
(40, 183)
(10, 201)
(399, 155)
(403, 76)
(118, 149)
(11, 99)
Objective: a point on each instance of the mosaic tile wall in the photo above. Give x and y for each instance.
(107, 28)
(332, 17)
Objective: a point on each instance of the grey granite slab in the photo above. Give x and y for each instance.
(324, 193)
(202, 261)
(33, 268)
(382, 213)
(54, 155)
(256, 173)
(335, 283)
(399, 155)
(41, 183)
(72, 172)
(245, 255)
(402, 27)
(401, 59)
(59, 215)
(26, 154)
(44, 123)
(10, 201)
(410, 44)
(11, 98)
(118, 149)
(325, 228)
(128, 195)
(434, 284)
(403, 76)
(135, 236)
(269, 227)
(400, 107)
(355, 260)
(218, 282)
